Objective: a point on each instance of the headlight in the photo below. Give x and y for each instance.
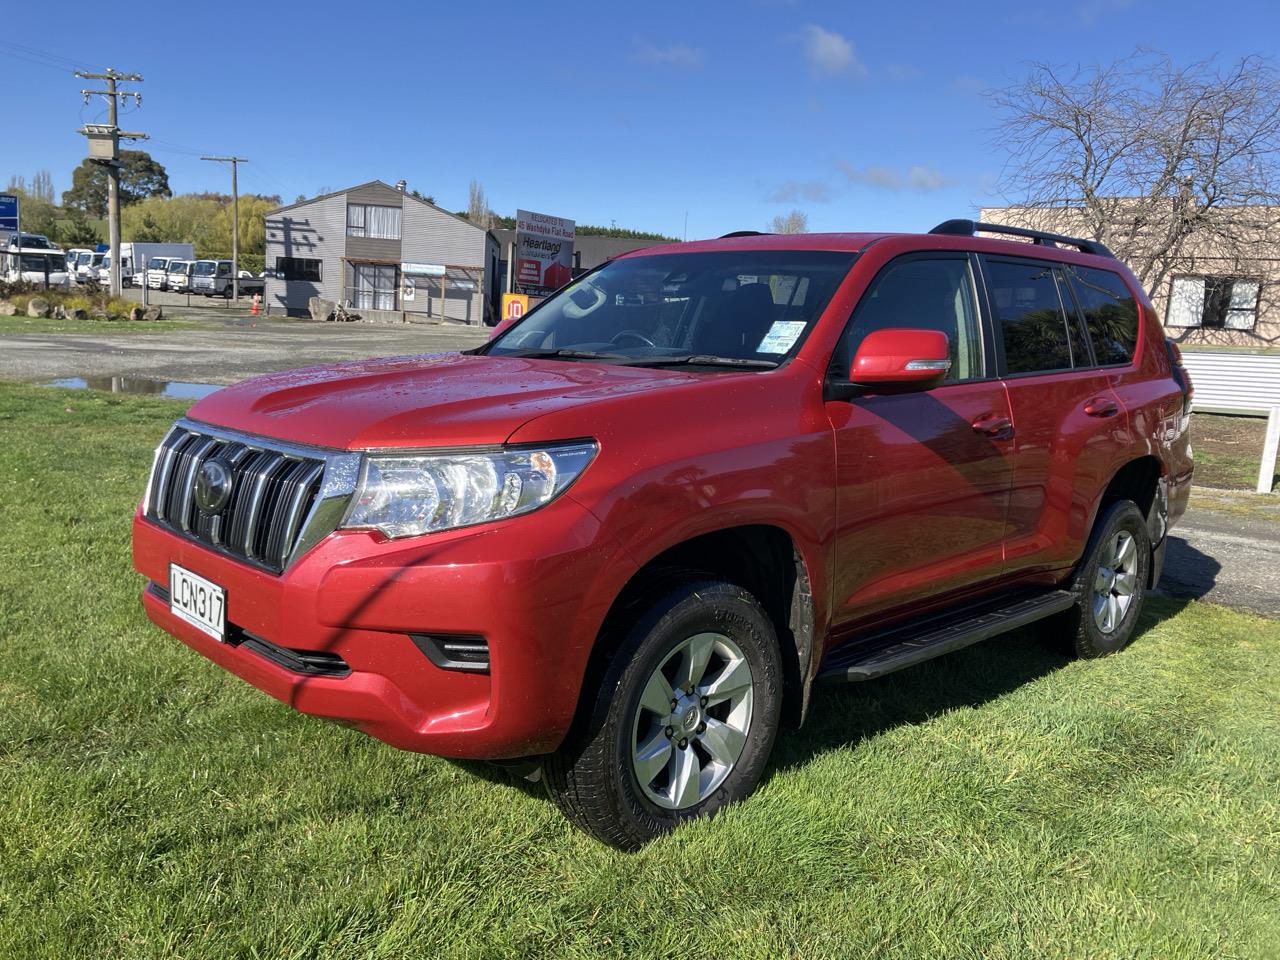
(408, 496)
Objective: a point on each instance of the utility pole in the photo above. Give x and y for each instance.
(235, 222)
(104, 147)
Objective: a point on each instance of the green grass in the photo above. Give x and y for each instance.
(1002, 802)
(53, 325)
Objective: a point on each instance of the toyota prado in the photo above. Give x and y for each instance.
(625, 540)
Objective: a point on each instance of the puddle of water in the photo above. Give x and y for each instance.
(176, 389)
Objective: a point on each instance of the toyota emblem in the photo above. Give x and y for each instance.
(213, 486)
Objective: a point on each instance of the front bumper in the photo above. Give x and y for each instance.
(536, 588)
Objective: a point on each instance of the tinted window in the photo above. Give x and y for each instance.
(1109, 311)
(298, 268)
(1028, 311)
(925, 295)
(747, 305)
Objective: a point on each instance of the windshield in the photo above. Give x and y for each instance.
(96, 260)
(204, 268)
(83, 257)
(157, 263)
(178, 266)
(34, 263)
(749, 306)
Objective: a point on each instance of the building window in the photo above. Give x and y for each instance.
(373, 286)
(1228, 303)
(298, 268)
(367, 220)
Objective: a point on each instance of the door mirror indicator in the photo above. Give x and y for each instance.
(895, 360)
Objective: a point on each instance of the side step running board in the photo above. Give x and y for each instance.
(909, 644)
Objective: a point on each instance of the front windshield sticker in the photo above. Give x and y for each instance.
(781, 336)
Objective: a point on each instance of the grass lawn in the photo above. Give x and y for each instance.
(1228, 450)
(54, 325)
(1002, 802)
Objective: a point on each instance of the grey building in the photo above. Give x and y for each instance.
(381, 252)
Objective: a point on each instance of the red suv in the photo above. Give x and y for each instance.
(621, 542)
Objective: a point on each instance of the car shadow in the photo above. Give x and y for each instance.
(1188, 572)
(845, 715)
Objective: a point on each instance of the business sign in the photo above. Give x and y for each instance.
(514, 306)
(544, 251)
(408, 288)
(422, 269)
(8, 212)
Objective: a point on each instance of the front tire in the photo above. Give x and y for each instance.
(1110, 584)
(683, 721)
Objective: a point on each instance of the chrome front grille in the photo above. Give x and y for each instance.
(282, 500)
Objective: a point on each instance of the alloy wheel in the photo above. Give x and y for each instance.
(1115, 581)
(691, 724)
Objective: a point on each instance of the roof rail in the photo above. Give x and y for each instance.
(967, 228)
(744, 233)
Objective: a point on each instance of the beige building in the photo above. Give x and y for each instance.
(1209, 293)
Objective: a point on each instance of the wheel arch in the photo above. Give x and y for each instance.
(763, 559)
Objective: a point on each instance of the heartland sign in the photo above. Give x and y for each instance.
(544, 251)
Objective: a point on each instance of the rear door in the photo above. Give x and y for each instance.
(1070, 432)
(922, 478)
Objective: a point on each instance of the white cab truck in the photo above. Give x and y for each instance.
(135, 260)
(178, 276)
(44, 266)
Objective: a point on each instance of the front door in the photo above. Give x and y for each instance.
(922, 478)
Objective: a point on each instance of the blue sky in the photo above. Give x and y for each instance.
(865, 116)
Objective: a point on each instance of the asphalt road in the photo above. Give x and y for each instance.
(220, 351)
(1225, 558)
(1222, 557)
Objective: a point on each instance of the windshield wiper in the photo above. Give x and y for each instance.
(704, 360)
(539, 353)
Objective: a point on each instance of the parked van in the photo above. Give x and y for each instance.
(157, 272)
(178, 276)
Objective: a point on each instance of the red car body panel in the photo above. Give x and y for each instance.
(894, 503)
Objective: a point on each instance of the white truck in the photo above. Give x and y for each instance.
(135, 261)
(45, 266)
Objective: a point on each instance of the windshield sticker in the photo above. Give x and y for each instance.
(781, 336)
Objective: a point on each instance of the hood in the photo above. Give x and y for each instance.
(425, 401)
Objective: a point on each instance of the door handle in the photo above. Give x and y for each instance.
(1101, 407)
(994, 425)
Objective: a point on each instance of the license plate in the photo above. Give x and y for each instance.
(201, 603)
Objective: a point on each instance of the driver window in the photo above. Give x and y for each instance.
(926, 295)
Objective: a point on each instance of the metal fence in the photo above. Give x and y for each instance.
(1245, 384)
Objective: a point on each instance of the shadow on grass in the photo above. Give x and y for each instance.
(845, 715)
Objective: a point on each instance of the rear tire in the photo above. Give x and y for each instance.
(1110, 584)
(683, 721)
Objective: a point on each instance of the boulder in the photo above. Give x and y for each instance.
(75, 313)
(8, 309)
(100, 316)
(320, 308)
(155, 312)
(136, 314)
(38, 307)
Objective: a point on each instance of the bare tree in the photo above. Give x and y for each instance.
(794, 222)
(42, 186)
(1159, 162)
(478, 211)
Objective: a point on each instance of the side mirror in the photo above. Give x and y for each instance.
(896, 361)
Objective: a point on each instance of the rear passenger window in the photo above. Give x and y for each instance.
(925, 295)
(1109, 311)
(1028, 311)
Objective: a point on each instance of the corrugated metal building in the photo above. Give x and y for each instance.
(381, 252)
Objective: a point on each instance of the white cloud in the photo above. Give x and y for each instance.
(828, 51)
(675, 55)
(920, 179)
(792, 191)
